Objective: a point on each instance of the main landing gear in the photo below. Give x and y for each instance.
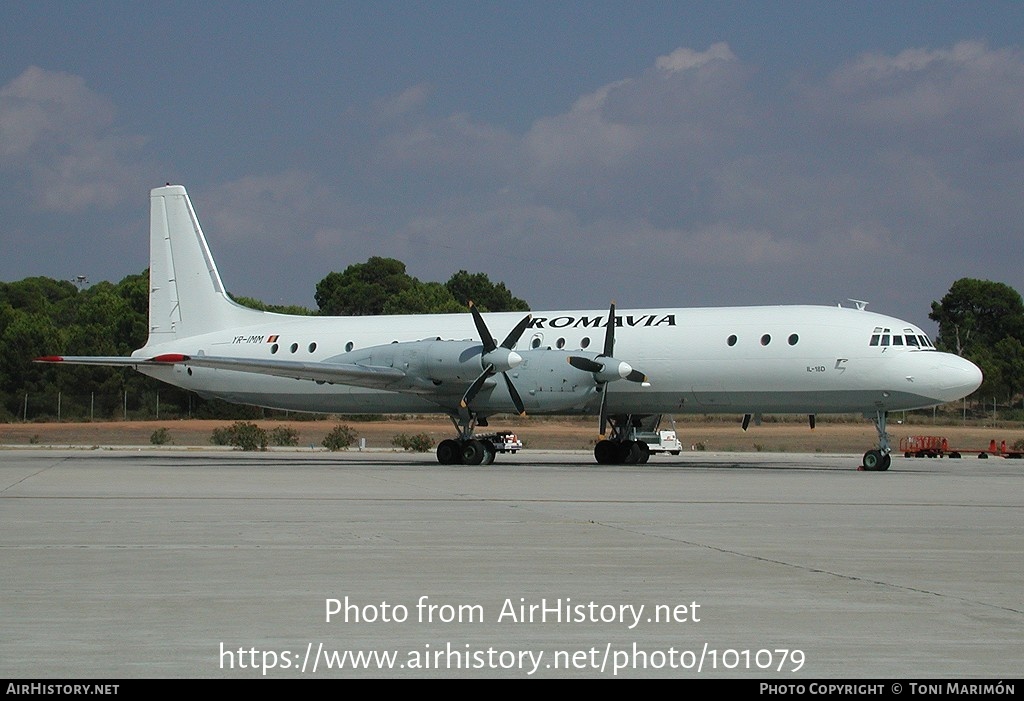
(466, 449)
(620, 449)
(609, 452)
(879, 460)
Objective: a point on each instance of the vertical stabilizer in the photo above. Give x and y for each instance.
(186, 295)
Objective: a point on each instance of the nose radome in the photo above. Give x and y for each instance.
(959, 377)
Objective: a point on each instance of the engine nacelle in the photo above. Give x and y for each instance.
(548, 382)
(544, 378)
(430, 360)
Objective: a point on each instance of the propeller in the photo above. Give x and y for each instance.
(607, 370)
(495, 359)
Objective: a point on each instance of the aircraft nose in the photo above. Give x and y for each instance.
(960, 377)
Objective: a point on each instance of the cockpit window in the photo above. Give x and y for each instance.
(885, 338)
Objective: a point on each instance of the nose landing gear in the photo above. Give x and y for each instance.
(879, 460)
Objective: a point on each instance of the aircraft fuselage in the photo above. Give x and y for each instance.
(799, 359)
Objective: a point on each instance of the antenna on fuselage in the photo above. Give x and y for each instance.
(861, 304)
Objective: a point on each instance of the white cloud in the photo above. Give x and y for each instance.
(408, 101)
(870, 68)
(446, 148)
(582, 139)
(683, 59)
(616, 144)
(60, 138)
(49, 107)
(690, 165)
(276, 209)
(635, 136)
(968, 88)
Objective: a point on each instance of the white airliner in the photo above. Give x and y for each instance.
(627, 367)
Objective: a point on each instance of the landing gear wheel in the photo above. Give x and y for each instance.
(629, 453)
(604, 452)
(645, 452)
(489, 453)
(449, 452)
(472, 452)
(875, 461)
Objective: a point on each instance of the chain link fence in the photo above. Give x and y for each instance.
(147, 405)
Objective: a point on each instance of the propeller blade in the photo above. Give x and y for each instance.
(585, 364)
(609, 333)
(481, 328)
(513, 336)
(636, 376)
(514, 393)
(607, 371)
(475, 387)
(603, 421)
(507, 360)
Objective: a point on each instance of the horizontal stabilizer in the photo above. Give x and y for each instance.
(117, 361)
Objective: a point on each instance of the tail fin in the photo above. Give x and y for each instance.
(186, 297)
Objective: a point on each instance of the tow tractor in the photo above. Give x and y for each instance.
(659, 441)
(503, 441)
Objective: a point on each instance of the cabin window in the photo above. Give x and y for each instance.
(295, 347)
(766, 339)
(535, 343)
(585, 343)
(349, 346)
(732, 340)
(560, 343)
(273, 349)
(793, 339)
(312, 347)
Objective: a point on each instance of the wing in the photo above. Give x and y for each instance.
(370, 376)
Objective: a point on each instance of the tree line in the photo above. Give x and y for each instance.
(42, 316)
(983, 321)
(978, 319)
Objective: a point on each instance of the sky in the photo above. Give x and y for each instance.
(653, 153)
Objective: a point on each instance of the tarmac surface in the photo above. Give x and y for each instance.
(152, 563)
